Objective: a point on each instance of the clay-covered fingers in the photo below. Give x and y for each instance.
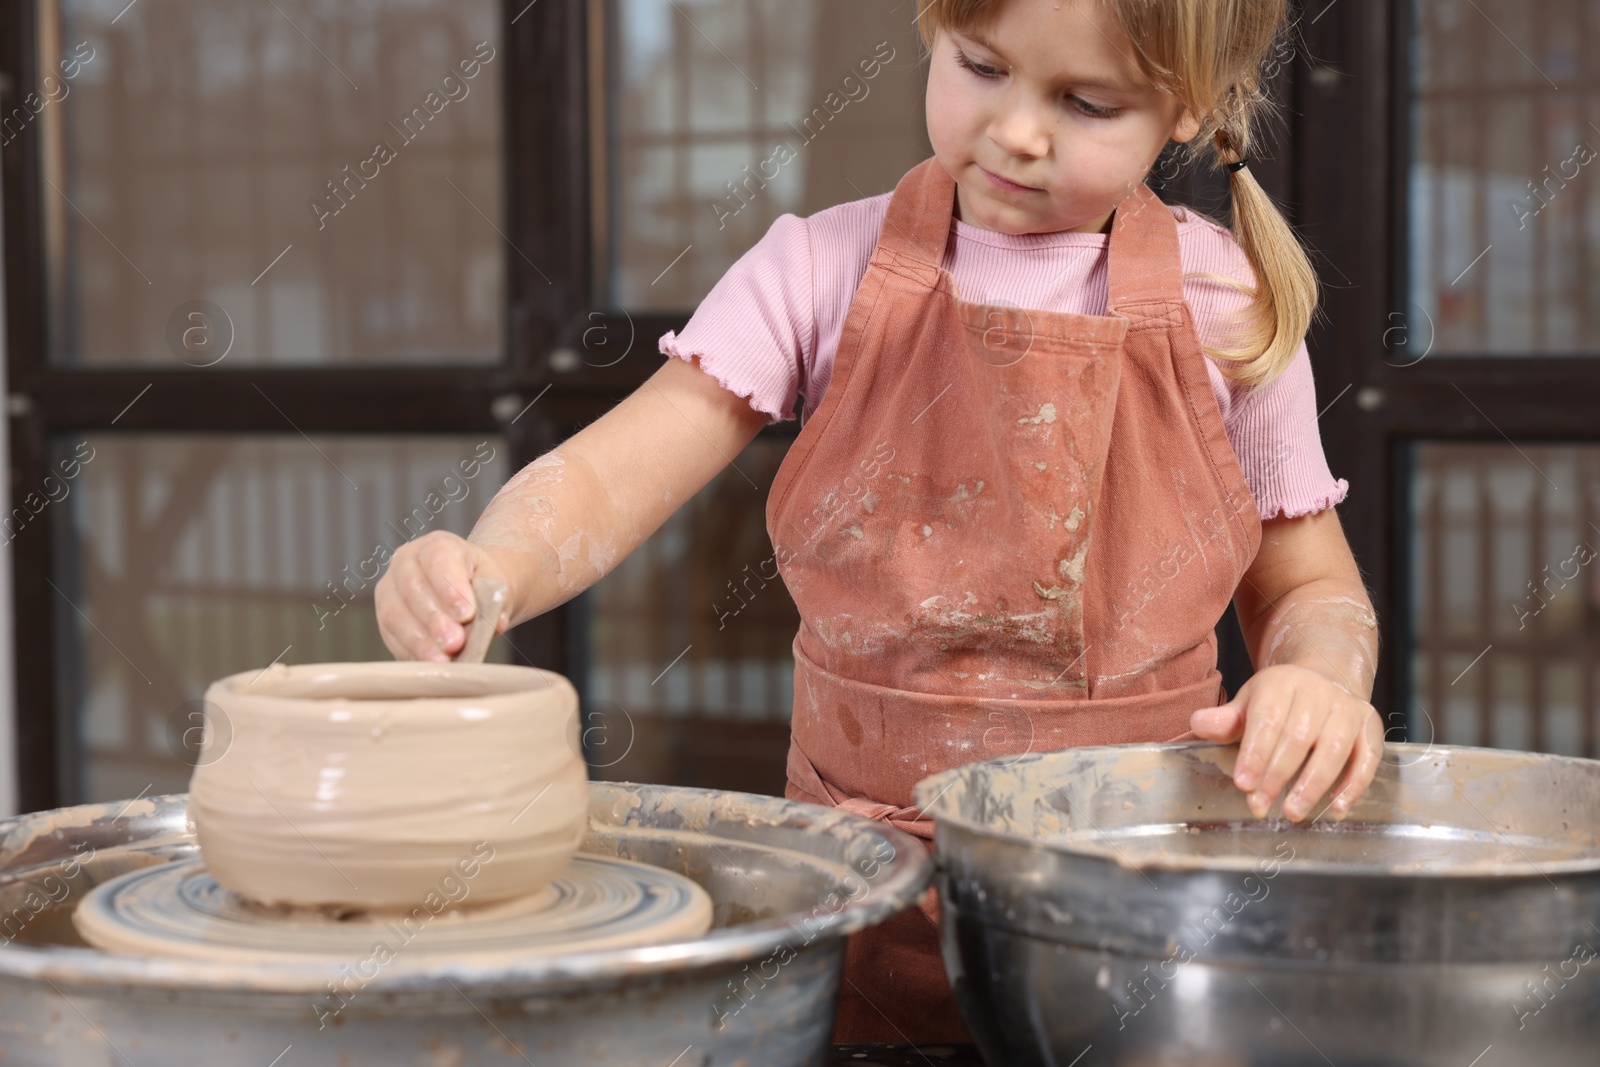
(1268, 701)
(1329, 755)
(1362, 765)
(1302, 730)
(425, 597)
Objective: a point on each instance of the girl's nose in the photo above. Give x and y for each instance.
(1020, 128)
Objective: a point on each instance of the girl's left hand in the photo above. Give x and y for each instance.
(1291, 717)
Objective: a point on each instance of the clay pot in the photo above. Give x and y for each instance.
(373, 785)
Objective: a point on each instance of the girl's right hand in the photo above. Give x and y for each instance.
(591, 491)
(425, 598)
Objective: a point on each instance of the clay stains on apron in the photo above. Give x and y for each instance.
(1046, 554)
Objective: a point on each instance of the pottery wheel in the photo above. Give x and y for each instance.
(176, 909)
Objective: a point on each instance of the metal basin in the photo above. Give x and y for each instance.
(788, 881)
(1119, 905)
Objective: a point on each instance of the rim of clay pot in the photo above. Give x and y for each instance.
(310, 687)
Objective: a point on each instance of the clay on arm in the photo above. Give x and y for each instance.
(564, 521)
(1303, 602)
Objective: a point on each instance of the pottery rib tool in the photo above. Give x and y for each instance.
(490, 596)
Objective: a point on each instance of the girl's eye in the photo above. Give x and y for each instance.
(982, 70)
(1094, 111)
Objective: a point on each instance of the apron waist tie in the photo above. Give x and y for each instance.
(806, 784)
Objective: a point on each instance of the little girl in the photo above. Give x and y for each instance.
(1052, 427)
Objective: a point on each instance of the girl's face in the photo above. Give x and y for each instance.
(1043, 118)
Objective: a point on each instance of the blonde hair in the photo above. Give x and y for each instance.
(1211, 54)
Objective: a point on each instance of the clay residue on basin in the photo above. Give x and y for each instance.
(1431, 810)
(1393, 847)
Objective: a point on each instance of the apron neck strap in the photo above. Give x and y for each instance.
(1143, 258)
(916, 228)
(1144, 265)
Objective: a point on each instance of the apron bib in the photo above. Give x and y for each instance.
(1007, 531)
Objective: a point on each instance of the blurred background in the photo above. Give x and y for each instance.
(290, 282)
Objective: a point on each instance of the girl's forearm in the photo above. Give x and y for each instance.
(566, 519)
(555, 531)
(1327, 626)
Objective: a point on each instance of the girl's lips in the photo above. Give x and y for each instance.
(1009, 185)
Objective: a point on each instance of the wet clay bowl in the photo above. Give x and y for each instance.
(373, 785)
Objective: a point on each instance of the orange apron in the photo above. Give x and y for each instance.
(1007, 531)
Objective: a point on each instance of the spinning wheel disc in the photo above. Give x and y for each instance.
(176, 909)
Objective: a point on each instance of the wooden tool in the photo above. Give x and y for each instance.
(490, 596)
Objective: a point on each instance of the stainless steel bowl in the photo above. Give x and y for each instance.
(1119, 905)
(788, 882)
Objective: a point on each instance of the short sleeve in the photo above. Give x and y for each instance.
(755, 332)
(1274, 434)
(1273, 429)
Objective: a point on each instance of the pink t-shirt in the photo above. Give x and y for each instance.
(769, 328)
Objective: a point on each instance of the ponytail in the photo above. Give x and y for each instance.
(1216, 56)
(1285, 296)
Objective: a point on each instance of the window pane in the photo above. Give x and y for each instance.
(691, 674)
(1505, 216)
(187, 558)
(326, 177)
(1506, 595)
(724, 114)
